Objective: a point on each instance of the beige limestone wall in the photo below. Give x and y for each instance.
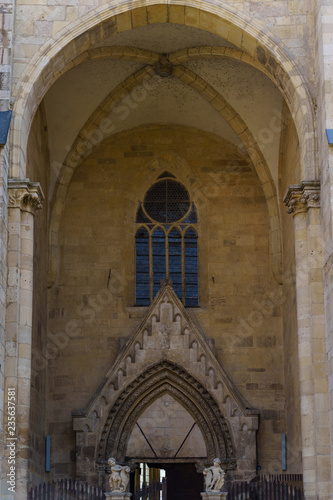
(291, 21)
(38, 169)
(289, 174)
(97, 251)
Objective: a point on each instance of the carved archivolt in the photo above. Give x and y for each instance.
(169, 378)
(186, 368)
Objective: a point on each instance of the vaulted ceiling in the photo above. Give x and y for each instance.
(76, 95)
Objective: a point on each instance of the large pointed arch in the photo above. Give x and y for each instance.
(57, 55)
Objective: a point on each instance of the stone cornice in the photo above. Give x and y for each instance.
(26, 195)
(300, 197)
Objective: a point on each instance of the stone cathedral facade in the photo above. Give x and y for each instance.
(166, 239)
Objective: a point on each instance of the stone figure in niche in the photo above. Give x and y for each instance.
(119, 476)
(214, 476)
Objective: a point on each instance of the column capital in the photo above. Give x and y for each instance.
(26, 195)
(300, 197)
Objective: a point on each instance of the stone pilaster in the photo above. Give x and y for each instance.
(303, 202)
(3, 280)
(24, 198)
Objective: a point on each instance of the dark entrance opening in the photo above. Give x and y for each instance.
(170, 481)
(183, 482)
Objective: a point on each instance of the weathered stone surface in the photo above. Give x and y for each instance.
(234, 98)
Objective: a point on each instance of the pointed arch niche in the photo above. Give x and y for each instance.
(166, 379)
(166, 429)
(166, 382)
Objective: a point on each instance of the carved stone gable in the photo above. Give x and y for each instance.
(168, 354)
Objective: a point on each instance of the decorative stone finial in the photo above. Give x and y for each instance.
(119, 477)
(300, 197)
(214, 477)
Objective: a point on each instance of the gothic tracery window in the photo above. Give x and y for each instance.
(167, 242)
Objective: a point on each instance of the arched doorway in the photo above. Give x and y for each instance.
(173, 429)
(167, 443)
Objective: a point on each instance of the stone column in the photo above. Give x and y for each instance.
(303, 203)
(24, 199)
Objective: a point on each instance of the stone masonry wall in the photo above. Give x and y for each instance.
(292, 21)
(97, 251)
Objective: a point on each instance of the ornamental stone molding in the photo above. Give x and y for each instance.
(168, 378)
(182, 366)
(26, 195)
(300, 197)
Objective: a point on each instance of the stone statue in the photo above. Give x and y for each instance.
(214, 476)
(119, 476)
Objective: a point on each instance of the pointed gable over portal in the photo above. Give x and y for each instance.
(167, 359)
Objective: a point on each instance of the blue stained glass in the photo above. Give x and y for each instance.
(167, 201)
(175, 261)
(192, 216)
(159, 266)
(140, 216)
(142, 268)
(191, 269)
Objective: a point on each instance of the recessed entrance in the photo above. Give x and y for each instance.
(166, 442)
(170, 481)
(184, 482)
